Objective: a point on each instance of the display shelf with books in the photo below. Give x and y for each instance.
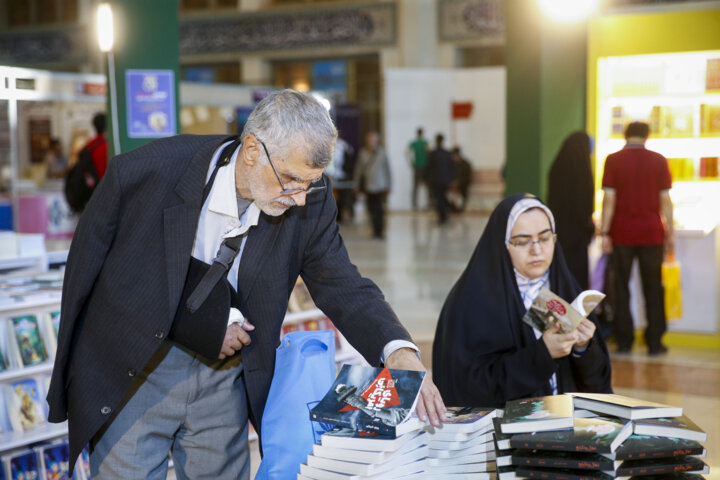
(676, 94)
(48, 431)
(29, 323)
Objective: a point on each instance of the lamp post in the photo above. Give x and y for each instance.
(105, 42)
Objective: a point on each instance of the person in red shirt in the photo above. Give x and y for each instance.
(98, 145)
(637, 222)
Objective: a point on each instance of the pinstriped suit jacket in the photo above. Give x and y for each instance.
(127, 266)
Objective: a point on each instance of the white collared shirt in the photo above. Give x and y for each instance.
(220, 218)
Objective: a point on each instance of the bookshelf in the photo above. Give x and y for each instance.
(35, 302)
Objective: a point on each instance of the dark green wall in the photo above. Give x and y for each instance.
(546, 65)
(146, 37)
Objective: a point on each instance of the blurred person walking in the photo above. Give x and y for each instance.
(463, 178)
(417, 155)
(570, 197)
(372, 177)
(440, 174)
(341, 171)
(637, 222)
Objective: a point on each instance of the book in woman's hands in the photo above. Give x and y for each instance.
(372, 399)
(548, 309)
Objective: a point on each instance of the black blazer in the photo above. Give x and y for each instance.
(127, 266)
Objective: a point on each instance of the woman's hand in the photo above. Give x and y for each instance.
(585, 331)
(559, 344)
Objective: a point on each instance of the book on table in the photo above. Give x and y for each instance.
(472, 449)
(676, 427)
(372, 399)
(347, 438)
(466, 420)
(396, 473)
(599, 435)
(368, 468)
(367, 454)
(537, 414)
(459, 444)
(624, 407)
(658, 466)
(502, 439)
(647, 446)
(564, 474)
(559, 459)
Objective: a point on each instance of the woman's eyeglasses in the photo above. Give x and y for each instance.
(543, 241)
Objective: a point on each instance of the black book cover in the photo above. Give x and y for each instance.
(562, 473)
(599, 435)
(575, 460)
(657, 466)
(647, 446)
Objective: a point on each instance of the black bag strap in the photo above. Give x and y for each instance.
(229, 248)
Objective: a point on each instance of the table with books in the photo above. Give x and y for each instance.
(562, 437)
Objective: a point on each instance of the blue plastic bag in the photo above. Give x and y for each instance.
(304, 371)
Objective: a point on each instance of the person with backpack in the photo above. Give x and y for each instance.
(82, 178)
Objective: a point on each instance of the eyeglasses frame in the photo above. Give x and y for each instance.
(292, 191)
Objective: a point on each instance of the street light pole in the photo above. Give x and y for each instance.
(105, 42)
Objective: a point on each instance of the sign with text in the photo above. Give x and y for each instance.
(150, 103)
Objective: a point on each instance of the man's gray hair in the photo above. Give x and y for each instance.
(288, 119)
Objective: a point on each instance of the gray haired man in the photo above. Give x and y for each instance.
(177, 284)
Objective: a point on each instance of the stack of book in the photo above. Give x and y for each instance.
(632, 438)
(376, 434)
(344, 454)
(462, 447)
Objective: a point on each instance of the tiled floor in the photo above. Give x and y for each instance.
(419, 262)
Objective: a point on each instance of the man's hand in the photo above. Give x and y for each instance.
(236, 337)
(430, 404)
(559, 344)
(585, 331)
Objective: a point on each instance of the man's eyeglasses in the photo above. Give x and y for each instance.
(292, 191)
(543, 241)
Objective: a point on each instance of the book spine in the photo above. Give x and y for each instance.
(564, 463)
(667, 453)
(558, 446)
(655, 469)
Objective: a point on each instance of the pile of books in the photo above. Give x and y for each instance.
(463, 446)
(596, 436)
(377, 436)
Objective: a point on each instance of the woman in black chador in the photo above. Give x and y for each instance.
(571, 194)
(484, 354)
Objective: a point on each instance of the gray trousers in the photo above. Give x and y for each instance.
(183, 404)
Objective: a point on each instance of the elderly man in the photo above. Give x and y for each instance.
(177, 284)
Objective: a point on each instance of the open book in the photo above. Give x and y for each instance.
(548, 309)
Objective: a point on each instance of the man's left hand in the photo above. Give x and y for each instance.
(430, 404)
